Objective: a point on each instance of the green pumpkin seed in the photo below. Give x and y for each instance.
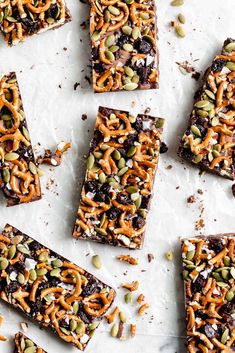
(138, 202)
(102, 178)
(66, 332)
(112, 116)
(135, 196)
(6, 175)
(41, 272)
(126, 80)
(202, 113)
(3, 264)
(93, 326)
(43, 257)
(230, 295)
(101, 231)
(190, 255)
(230, 65)
(50, 20)
(6, 12)
(197, 140)
(130, 86)
(80, 327)
(222, 284)
(6, 117)
(1, 17)
(215, 121)
(114, 330)
(20, 278)
(198, 158)
(12, 156)
(30, 350)
(132, 189)
(73, 325)
(116, 155)
(211, 113)
(180, 31)
(127, 30)
(186, 275)
(11, 252)
(210, 157)
(135, 79)
(188, 262)
(90, 162)
(210, 94)
(114, 48)
(95, 168)
(190, 267)
(169, 255)
(57, 263)
(216, 276)
(75, 307)
(122, 171)
(229, 47)
(142, 212)
(225, 274)
(121, 163)
(26, 133)
(109, 55)
(159, 123)
(11, 19)
(22, 344)
(177, 2)
(102, 220)
(224, 336)
(210, 106)
(129, 2)
(201, 104)
(55, 272)
(96, 262)
(23, 249)
(114, 10)
(110, 41)
(131, 151)
(195, 130)
(128, 298)
(98, 155)
(181, 18)
(122, 317)
(215, 153)
(29, 343)
(144, 15)
(128, 47)
(227, 260)
(128, 71)
(33, 168)
(132, 119)
(32, 275)
(135, 33)
(107, 16)
(95, 36)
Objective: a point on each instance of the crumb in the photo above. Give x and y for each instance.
(84, 117)
(233, 189)
(127, 258)
(177, 187)
(24, 326)
(169, 167)
(147, 110)
(65, 49)
(200, 192)
(60, 86)
(75, 86)
(191, 199)
(186, 68)
(87, 78)
(150, 257)
(83, 25)
(133, 103)
(199, 224)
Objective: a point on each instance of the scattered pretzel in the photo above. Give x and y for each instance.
(128, 259)
(132, 287)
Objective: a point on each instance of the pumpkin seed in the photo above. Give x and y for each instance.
(50, 20)
(227, 260)
(114, 330)
(75, 307)
(128, 298)
(230, 295)
(135, 79)
(169, 255)
(127, 30)
(114, 48)
(135, 196)
(57, 263)
(66, 332)
(95, 36)
(73, 325)
(122, 317)
(107, 16)
(43, 257)
(135, 33)
(32, 275)
(132, 119)
(102, 220)
(17, 239)
(215, 121)
(26, 133)
(110, 41)
(121, 163)
(197, 140)
(11, 252)
(1, 17)
(211, 113)
(8, 96)
(181, 18)
(122, 171)
(128, 47)
(126, 80)
(198, 158)
(215, 153)
(195, 130)
(201, 104)
(20, 278)
(22, 344)
(210, 94)
(102, 178)
(177, 2)
(230, 65)
(6, 175)
(225, 274)
(224, 336)
(6, 12)
(129, 1)
(130, 86)
(11, 19)
(6, 117)
(114, 10)
(80, 327)
(93, 326)
(98, 155)
(190, 255)
(33, 168)
(188, 262)
(12, 156)
(131, 151)
(229, 47)
(128, 71)
(222, 284)
(210, 106)
(30, 350)
(109, 55)
(21, 114)
(23, 249)
(144, 15)
(3, 264)
(101, 231)
(180, 31)
(216, 276)
(210, 157)
(142, 212)
(202, 113)
(159, 123)
(90, 162)
(41, 272)
(29, 343)
(95, 168)
(104, 147)
(132, 189)
(96, 262)
(186, 275)
(55, 272)
(116, 155)
(190, 267)
(138, 202)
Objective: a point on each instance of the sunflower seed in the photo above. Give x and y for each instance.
(130, 86)
(114, 10)
(12, 156)
(230, 65)
(127, 30)
(96, 262)
(90, 162)
(229, 47)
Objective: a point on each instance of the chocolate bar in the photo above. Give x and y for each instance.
(25, 345)
(123, 40)
(118, 185)
(50, 289)
(20, 19)
(19, 178)
(209, 282)
(210, 139)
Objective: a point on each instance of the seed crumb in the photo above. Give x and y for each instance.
(191, 199)
(150, 257)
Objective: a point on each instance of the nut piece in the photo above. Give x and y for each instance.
(131, 286)
(128, 259)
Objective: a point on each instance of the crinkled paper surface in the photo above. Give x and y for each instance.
(48, 66)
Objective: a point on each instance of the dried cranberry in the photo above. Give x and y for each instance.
(52, 11)
(29, 25)
(144, 73)
(129, 141)
(90, 288)
(20, 266)
(36, 307)
(12, 287)
(198, 284)
(105, 188)
(34, 246)
(105, 111)
(216, 245)
(98, 137)
(145, 202)
(91, 186)
(100, 197)
(113, 213)
(163, 147)
(122, 40)
(83, 315)
(124, 199)
(138, 124)
(138, 222)
(218, 65)
(98, 67)
(143, 46)
(95, 56)
(64, 324)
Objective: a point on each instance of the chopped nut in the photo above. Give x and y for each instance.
(140, 298)
(131, 286)
(128, 258)
(132, 330)
(110, 317)
(143, 308)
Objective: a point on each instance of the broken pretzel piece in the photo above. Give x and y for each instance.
(128, 259)
(54, 159)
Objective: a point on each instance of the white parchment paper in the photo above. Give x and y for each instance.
(48, 66)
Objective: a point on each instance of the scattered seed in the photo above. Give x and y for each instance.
(96, 261)
(177, 2)
(180, 31)
(159, 123)
(114, 330)
(122, 317)
(128, 298)
(169, 255)
(181, 18)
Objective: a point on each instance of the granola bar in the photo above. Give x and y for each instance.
(209, 282)
(25, 345)
(19, 178)
(123, 40)
(20, 19)
(119, 179)
(210, 138)
(50, 289)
